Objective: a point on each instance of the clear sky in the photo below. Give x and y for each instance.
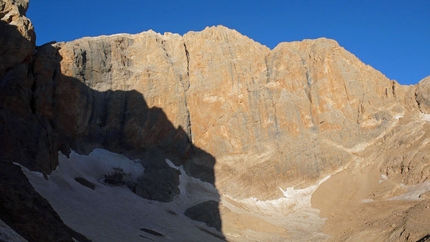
(393, 36)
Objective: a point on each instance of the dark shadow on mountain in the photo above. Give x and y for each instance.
(25, 138)
(122, 122)
(43, 112)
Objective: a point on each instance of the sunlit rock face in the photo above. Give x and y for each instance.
(293, 113)
(258, 137)
(16, 30)
(272, 119)
(422, 95)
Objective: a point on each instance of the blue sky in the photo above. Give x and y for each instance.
(393, 36)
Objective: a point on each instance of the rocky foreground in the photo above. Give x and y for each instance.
(302, 142)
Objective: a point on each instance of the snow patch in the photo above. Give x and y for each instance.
(413, 192)
(302, 196)
(399, 116)
(8, 234)
(425, 117)
(383, 178)
(293, 200)
(98, 163)
(293, 211)
(114, 213)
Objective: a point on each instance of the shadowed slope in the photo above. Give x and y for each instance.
(121, 122)
(25, 137)
(43, 111)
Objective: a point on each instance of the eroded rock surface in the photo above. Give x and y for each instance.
(422, 95)
(271, 118)
(229, 111)
(280, 113)
(25, 136)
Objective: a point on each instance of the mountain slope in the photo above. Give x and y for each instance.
(278, 113)
(284, 138)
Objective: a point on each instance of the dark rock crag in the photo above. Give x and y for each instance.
(43, 111)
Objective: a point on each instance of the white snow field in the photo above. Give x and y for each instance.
(294, 212)
(8, 234)
(114, 213)
(425, 117)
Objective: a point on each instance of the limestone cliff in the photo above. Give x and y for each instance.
(25, 137)
(280, 113)
(251, 121)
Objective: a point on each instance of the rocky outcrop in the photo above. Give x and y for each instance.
(205, 212)
(422, 95)
(16, 29)
(26, 137)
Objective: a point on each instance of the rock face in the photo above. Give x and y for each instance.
(16, 29)
(278, 113)
(26, 137)
(249, 120)
(382, 195)
(423, 90)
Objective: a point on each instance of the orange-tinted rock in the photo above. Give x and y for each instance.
(16, 30)
(236, 114)
(292, 113)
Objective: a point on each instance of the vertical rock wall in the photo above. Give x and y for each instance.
(25, 136)
(293, 113)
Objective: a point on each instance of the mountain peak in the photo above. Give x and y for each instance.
(233, 140)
